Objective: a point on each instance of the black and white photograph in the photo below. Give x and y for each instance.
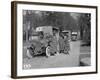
(53, 39)
(56, 39)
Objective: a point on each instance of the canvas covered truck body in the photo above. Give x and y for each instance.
(41, 41)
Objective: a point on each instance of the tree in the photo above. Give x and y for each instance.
(61, 20)
(85, 27)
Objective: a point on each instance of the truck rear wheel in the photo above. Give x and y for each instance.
(48, 51)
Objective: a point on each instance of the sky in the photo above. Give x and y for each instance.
(75, 15)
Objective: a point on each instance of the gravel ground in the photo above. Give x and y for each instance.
(85, 56)
(59, 60)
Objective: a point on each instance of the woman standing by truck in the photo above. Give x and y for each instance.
(64, 42)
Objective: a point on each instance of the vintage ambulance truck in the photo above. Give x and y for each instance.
(48, 41)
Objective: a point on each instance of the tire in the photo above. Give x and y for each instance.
(48, 51)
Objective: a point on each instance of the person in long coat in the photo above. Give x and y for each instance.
(66, 45)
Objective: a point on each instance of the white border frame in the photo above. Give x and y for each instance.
(21, 72)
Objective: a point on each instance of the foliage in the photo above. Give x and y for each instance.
(85, 27)
(62, 20)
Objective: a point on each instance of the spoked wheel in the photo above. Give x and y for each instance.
(48, 51)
